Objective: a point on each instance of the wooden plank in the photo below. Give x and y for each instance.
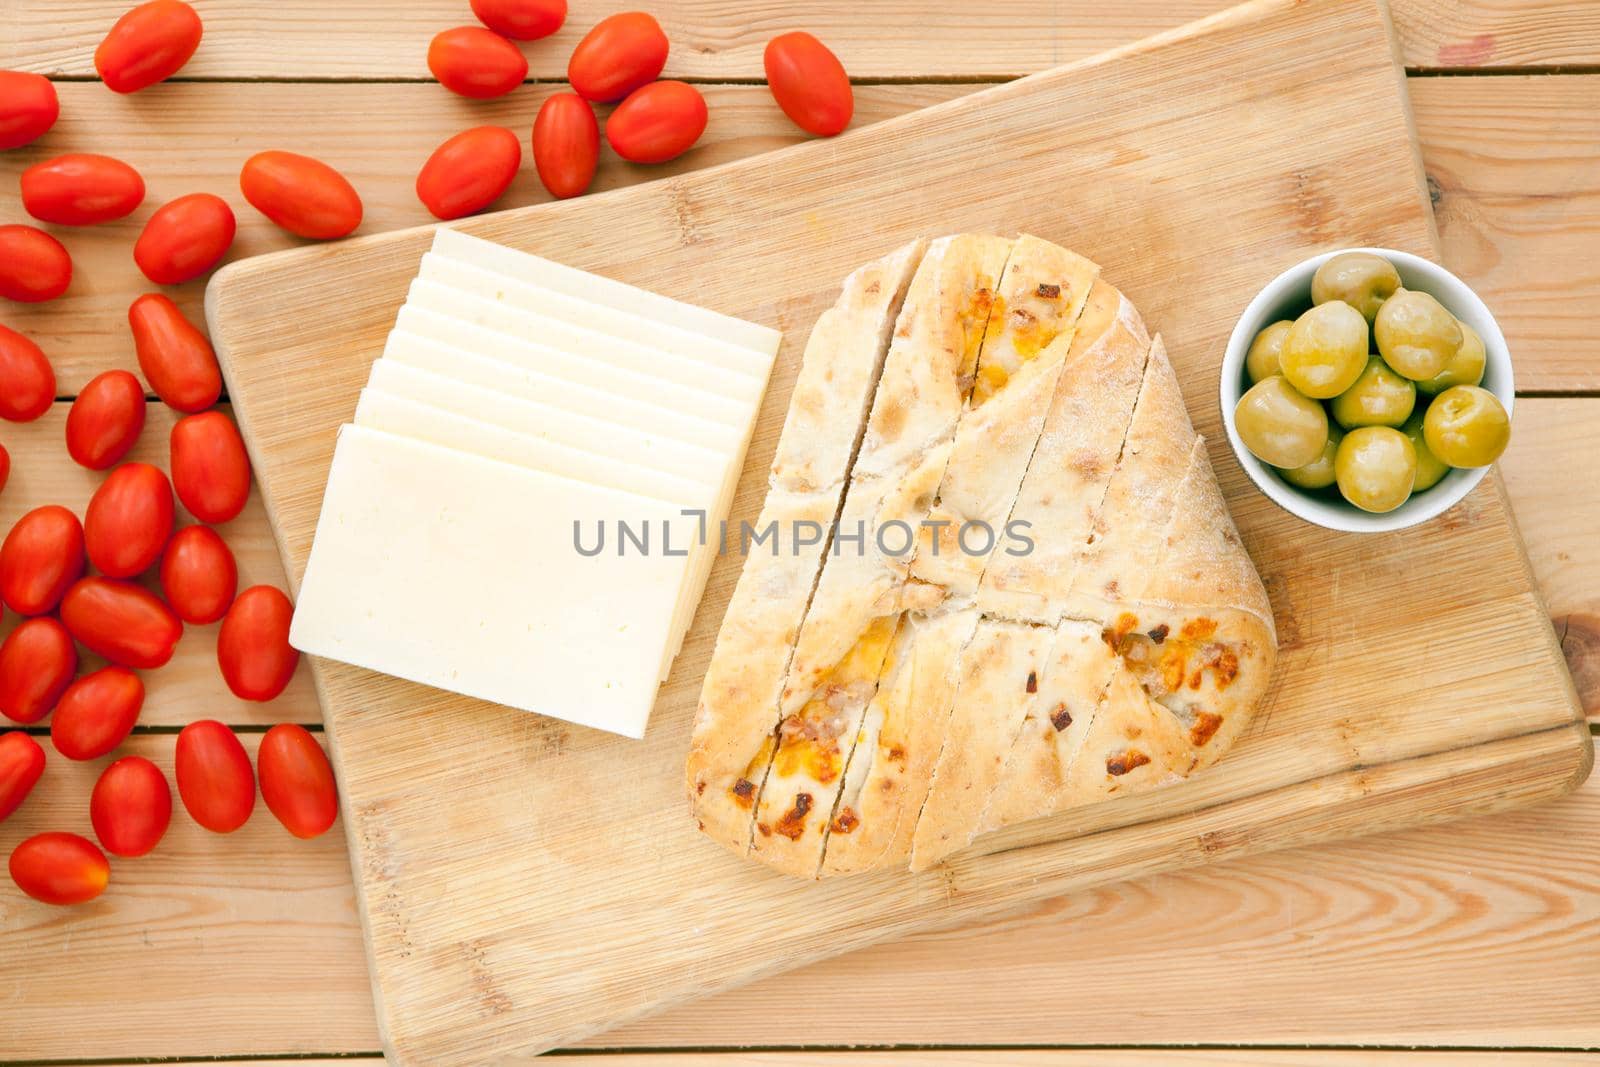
(1481, 934)
(1512, 162)
(1516, 182)
(189, 687)
(1554, 450)
(713, 39)
(1414, 739)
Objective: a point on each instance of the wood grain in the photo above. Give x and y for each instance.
(1401, 939)
(460, 974)
(302, 39)
(189, 687)
(1517, 197)
(1512, 163)
(1557, 446)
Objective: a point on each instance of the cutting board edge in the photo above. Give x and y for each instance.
(964, 906)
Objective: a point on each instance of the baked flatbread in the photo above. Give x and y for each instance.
(927, 373)
(737, 712)
(1072, 464)
(841, 365)
(876, 704)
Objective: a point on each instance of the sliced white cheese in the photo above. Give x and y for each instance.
(598, 289)
(408, 417)
(614, 322)
(460, 572)
(639, 447)
(422, 421)
(696, 418)
(469, 307)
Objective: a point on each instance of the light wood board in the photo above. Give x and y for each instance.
(525, 883)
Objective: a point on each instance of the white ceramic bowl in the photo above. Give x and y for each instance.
(1284, 298)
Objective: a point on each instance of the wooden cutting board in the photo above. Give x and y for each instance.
(525, 883)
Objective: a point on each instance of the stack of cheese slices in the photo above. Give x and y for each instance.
(524, 509)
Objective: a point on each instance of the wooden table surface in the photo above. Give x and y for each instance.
(1448, 942)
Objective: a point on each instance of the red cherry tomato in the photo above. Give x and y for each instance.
(27, 381)
(657, 123)
(149, 44)
(303, 195)
(253, 646)
(185, 238)
(5, 467)
(131, 807)
(34, 266)
(296, 781)
(129, 520)
(96, 713)
(28, 108)
(105, 420)
(476, 62)
(37, 661)
(566, 144)
(621, 53)
(215, 781)
(199, 575)
(58, 868)
(469, 171)
(210, 469)
(81, 189)
(40, 559)
(521, 20)
(122, 622)
(809, 83)
(176, 358)
(21, 764)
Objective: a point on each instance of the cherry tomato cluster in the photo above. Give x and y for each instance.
(617, 62)
(122, 582)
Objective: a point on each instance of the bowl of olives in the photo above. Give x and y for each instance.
(1367, 390)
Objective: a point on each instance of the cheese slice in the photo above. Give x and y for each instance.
(468, 306)
(613, 322)
(510, 352)
(460, 572)
(624, 444)
(517, 381)
(597, 289)
(704, 504)
(422, 421)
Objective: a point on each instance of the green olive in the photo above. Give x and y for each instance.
(1326, 350)
(1416, 335)
(1430, 468)
(1280, 426)
(1376, 467)
(1318, 474)
(1360, 279)
(1380, 397)
(1463, 368)
(1466, 426)
(1261, 361)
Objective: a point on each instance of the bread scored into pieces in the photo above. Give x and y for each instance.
(1030, 596)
